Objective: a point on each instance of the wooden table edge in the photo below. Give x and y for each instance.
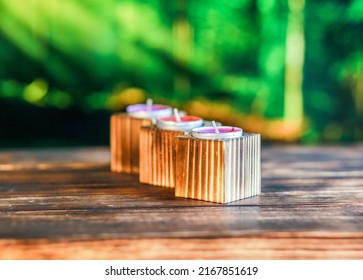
(267, 246)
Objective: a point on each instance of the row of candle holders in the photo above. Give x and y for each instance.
(199, 159)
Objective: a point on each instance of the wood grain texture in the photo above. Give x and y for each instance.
(191, 153)
(157, 163)
(124, 142)
(219, 171)
(66, 204)
(266, 246)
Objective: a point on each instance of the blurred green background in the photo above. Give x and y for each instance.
(291, 70)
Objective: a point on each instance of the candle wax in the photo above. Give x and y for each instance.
(144, 107)
(220, 129)
(224, 132)
(148, 111)
(186, 123)
(182, 118)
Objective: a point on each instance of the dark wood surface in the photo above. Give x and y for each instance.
(66, 204)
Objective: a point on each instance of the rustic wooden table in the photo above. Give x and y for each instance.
(66, 204)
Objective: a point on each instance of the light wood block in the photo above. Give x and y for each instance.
(219, 171)
(157, 161)
(124, 142)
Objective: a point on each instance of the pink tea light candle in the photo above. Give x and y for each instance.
(179, 123)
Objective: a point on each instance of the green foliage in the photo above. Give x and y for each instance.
(333, 82)
(83, 55)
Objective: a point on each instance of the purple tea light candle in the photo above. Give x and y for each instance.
(217, 132)
(148, 110)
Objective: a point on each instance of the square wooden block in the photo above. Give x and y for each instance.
(219, 171)
(157, 160)
(124, 142)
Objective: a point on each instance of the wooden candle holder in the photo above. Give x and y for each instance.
(124, 142)
(219, 171)
(157, 163)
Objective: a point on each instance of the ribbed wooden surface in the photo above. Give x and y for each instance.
(199, 169)
(124, 143)
(66, 204)
(157, 161)
(242, 176)
(219, 171)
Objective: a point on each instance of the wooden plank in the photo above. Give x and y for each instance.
(269, 246)
(65, 203)
(56, 159)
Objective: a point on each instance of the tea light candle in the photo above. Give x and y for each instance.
(217, 132)
(148, 110)
(179, 123)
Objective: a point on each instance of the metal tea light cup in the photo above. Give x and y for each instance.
(185, 123)
(220, 132)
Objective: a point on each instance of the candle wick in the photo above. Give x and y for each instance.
(149, 104)
(176, 114)
(215, 127)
